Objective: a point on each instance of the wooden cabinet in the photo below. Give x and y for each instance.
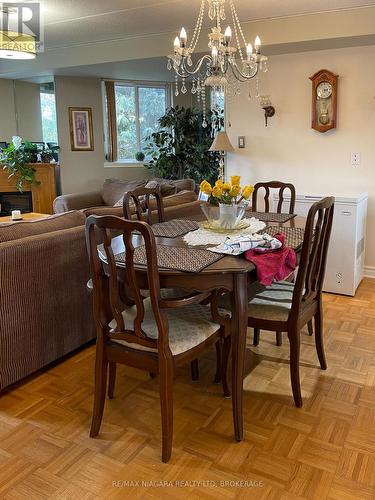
(42, 194)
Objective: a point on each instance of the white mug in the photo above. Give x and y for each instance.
(16, 215)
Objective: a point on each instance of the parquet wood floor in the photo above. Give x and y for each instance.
(326, 450)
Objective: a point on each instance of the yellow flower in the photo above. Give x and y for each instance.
(226, 186)
(205, 187)
(217, 191)
(246, 191)
(235, 180)
(235, 191)
(219, 183)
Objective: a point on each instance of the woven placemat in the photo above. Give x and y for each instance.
(270, 216)
(174, 228)
(293, 235)
(191, 260)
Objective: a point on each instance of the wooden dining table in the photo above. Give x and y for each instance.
(230, 273)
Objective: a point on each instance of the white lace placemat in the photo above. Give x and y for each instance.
(206, 237)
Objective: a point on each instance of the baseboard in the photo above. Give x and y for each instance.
(369, 272)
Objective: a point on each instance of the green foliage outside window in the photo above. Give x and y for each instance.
(49, 123)
(138, 110)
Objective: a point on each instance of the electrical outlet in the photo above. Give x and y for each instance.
(356, 159)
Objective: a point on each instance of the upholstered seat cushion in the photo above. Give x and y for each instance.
(189, 326)
(273, 302)
(265, 302)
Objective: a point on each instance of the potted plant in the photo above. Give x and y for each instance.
(227, 202)
(140, 156)
(180, 148)
(17, 160)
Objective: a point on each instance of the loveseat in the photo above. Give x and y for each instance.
(108, 201)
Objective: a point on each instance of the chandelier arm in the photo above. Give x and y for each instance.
(236, 71)
(197, 68)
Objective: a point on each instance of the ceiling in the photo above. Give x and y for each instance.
(130, 38)
(70, 22)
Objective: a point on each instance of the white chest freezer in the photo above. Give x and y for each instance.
(346, 254)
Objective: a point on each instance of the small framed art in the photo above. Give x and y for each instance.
(81, 133)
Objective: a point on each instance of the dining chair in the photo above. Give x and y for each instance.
(158, 333)
(288, 307)
(267, 186)
(143, 202)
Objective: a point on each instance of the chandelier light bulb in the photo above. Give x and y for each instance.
(183, 35)
(257, 43)
(176, 43)
(228, 35)
(249, 50)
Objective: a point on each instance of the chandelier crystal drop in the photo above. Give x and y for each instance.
(231, 60)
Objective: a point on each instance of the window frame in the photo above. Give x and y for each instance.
(111, 149)
(44, 90)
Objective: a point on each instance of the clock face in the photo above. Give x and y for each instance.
(324, 90)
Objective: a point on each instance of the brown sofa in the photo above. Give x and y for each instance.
(45, 308)
(177, 192)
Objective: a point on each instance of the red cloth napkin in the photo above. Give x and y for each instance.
(273, 265)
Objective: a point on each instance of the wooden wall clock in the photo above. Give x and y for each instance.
(324, 100)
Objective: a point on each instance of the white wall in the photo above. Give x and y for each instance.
(20, 112)
(8, 126)
(28, 111)
(84, 170)
(289, 150)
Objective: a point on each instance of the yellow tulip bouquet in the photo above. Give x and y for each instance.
(227, 193)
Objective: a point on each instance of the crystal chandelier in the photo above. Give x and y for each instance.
(226, 65)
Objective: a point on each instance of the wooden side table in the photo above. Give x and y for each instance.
(28, 216)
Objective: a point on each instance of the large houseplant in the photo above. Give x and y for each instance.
(17, 160)
(180, 148)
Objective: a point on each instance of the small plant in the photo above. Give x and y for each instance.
(17, 158)
(140, 156)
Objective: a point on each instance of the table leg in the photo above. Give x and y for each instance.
(238, 332)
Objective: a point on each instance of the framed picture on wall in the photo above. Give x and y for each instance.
(81, 134)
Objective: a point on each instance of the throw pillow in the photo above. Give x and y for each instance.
(166, 186)
(113, 189)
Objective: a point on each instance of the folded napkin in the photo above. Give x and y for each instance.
(240, 244)
(273, 264)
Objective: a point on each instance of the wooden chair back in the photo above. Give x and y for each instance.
(267, 186)
(110, 294)
(143, 200)
(310, 276)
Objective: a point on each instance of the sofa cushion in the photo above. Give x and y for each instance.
(114, 189)
(175, 199)
(166, 186)
(184, 185)
(103, 211)
(15, 230)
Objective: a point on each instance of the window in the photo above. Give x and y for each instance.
(218, 100)
(133, 112)
(48, 111)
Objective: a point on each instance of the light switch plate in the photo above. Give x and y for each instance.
(241, 142)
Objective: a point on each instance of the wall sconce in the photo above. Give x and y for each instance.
(266, 105)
